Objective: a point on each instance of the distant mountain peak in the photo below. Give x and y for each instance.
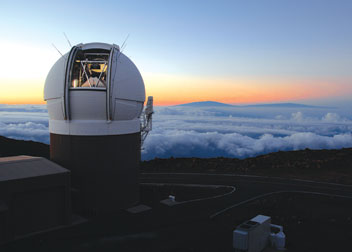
(206, 104)
(282, 105)
(263, 105)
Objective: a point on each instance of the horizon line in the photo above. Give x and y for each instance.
(176, 104)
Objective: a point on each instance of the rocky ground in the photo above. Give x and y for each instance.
(12, 147)
(323, 165)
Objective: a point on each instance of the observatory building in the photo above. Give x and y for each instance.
(95, 97)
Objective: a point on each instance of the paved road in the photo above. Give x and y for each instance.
(247, 187)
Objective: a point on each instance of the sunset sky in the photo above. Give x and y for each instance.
(227, 51)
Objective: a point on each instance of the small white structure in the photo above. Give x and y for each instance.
(170, 201)
(277, 237)
(172, 198)
(252, 235)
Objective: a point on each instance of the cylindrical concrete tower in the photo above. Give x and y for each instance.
(95, 96)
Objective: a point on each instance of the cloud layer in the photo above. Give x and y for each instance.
(211, 131)
(27, 122)
(244, 132)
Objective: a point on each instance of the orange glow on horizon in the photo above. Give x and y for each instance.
(179, 90)
(173, 90)
(23, 102)
(21, 91)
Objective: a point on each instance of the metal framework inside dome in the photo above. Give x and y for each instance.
(89, 69)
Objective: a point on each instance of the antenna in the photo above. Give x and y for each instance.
(68, 41)
(124, 43)
(58, 50)
(122, 47)
(121, 50)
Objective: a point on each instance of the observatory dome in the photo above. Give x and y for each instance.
(94, 89)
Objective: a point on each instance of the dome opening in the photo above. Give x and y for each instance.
(89, 69)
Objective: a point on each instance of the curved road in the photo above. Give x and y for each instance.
(247, 187)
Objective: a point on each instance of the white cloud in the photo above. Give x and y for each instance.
(229, 132)
(332, 117)
(297, 116)
(212, 144)
(210, 132)
(26, 131)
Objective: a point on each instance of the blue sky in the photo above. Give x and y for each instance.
(281, 41)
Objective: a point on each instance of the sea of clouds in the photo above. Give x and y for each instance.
(189, 131)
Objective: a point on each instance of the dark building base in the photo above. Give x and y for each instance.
(34, 196)
(104, 170)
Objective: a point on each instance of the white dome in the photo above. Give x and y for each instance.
(94, 90)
